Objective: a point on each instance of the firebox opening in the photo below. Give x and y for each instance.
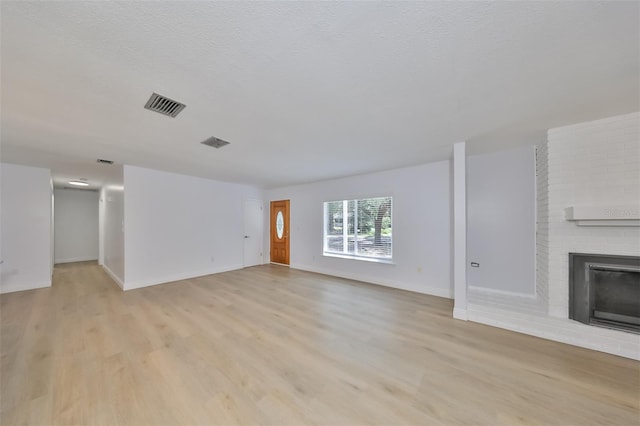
(605, 290)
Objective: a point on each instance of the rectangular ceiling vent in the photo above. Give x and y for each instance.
(101, 161)
(164, 105)
(215, 142)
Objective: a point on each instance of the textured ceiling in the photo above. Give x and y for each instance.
(304, 91)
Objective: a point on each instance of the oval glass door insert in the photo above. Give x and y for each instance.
(279, 224)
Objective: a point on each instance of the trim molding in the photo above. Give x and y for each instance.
(431, 291)
(460, 314)
(12, 288)
(501, 292)
(75, 259)
(177, 277)
(113, 276)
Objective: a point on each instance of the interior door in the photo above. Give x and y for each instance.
(253, 224)
(280, 232)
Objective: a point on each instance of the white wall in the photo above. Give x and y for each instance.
(542, 225)
(25, 228)
(590, 164)
(421, 227)
(101, 219)
(501, 208)
(51, 255)
(75, 225)
(460, 284)
(112, 227)
(179, 226)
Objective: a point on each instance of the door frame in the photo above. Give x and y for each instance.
(287, 231)
(259, 238)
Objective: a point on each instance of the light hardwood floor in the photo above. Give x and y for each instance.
(270, 345)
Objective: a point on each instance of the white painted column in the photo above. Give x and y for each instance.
(460, 231)
(101, 219)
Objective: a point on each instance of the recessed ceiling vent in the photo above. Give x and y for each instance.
(163, 105)
(215, 142)
(101, 161)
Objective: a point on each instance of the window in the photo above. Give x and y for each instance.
(358, 228)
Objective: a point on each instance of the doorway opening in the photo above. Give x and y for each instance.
(75, 225)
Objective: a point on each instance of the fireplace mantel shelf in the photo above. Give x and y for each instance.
(604, 215)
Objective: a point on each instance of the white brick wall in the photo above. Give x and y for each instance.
(593, 163)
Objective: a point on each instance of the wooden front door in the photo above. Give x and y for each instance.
(280, 232)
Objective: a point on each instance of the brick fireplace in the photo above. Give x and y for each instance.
(594, 167)
(589, 164)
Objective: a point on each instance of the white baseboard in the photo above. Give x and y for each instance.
(460, 314)
(113, 276)
(484, 290)
(75, 259)
(560, 330)
(432, 291)
(177, 277)
(12, 288)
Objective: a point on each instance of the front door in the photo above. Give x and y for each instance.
(280, 232)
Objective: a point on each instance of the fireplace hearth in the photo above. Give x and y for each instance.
(604, 290)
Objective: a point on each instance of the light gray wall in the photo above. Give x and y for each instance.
(501, 208)
(75, 225)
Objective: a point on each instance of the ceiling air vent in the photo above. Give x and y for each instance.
(166, 106)
(100, 160)
(215, 142)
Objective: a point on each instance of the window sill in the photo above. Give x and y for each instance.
(366, 259)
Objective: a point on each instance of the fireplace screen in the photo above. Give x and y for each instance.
(605, 290)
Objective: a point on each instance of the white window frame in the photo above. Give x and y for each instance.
(345, 254)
